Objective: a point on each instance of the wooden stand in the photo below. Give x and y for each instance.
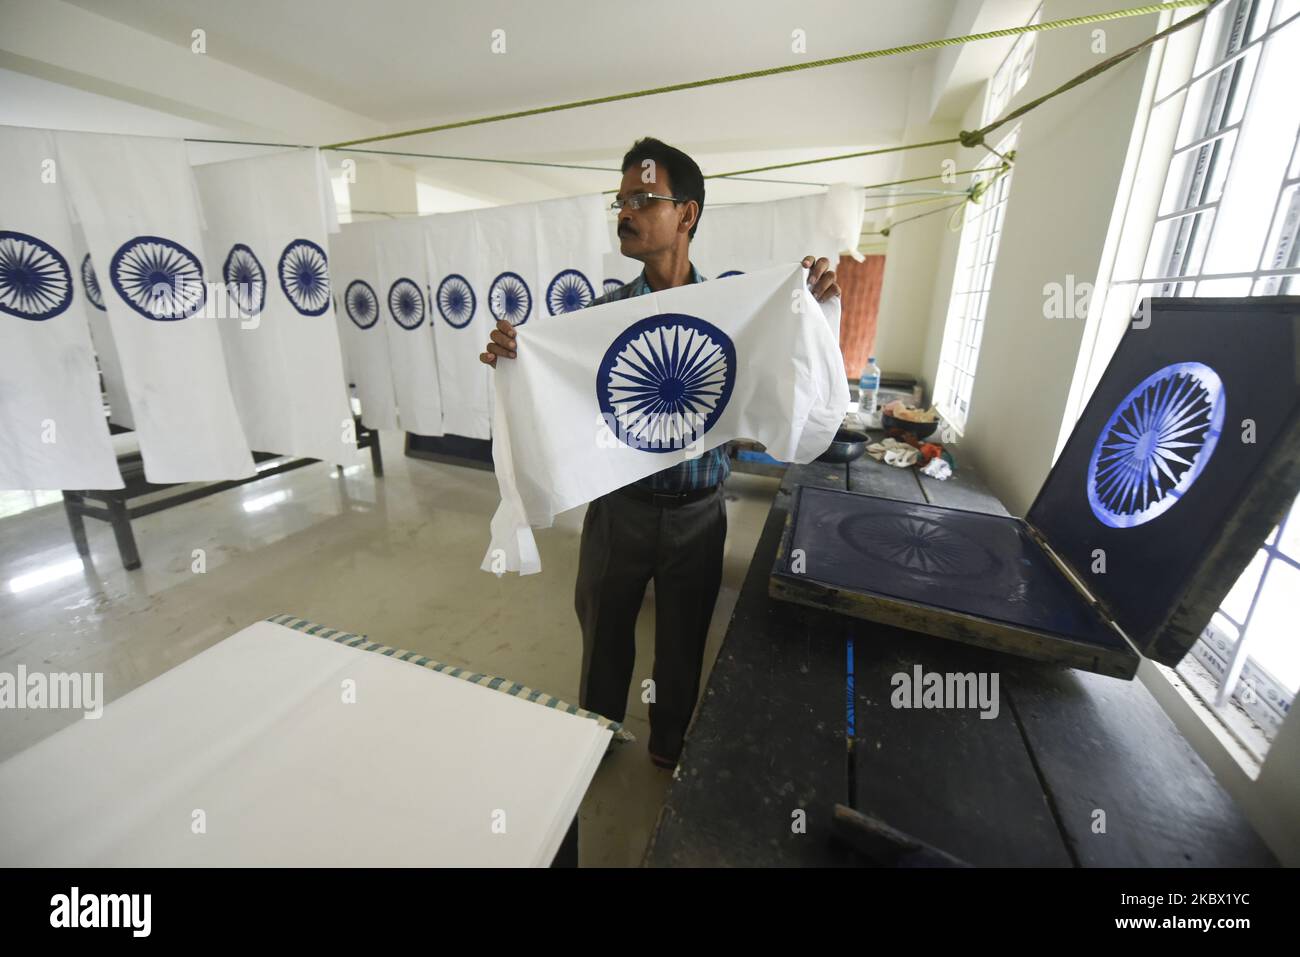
(114, 504)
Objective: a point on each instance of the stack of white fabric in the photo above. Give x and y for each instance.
(253, 754)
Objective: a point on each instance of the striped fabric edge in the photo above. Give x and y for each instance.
(514, 689)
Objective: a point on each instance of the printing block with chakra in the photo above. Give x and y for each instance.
(1183, 462)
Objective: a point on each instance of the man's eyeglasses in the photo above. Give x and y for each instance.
(640, 200)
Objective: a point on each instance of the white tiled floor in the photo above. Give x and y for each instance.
(395, 558)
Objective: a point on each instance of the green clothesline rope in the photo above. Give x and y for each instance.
(966, 138)
(975, 194)
(788, 68)
(910, 202)
(975, 138)
(596, 169)
(920, 179)
(886, 230)
(465, 159)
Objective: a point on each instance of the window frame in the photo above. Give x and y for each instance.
(1219, 669)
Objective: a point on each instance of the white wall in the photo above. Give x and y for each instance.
(1070, 159)
(945, 267)
(914, 259)
(914, 256)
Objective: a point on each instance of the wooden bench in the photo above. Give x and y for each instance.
(114, 505)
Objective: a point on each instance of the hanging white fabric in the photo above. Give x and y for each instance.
(459, 280)
(402, 272)
(361, 320)
(525, 262)
(266, 239)
(748, 236)
(136, 201)
(572, 238)
(619, 391)
(616, 268)
(101, 332)
(53, 433)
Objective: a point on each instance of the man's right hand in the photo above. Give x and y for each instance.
(502, 344)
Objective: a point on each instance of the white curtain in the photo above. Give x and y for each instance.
(676, 373)
(266, 240)
(53, 433)
(136, 201)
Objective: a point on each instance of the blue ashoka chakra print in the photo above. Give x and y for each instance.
(456, 301)
(665, 380)
(90, 282)
(158, 278)
(612, 285)
(361, 303)
(569, 291)
(35, 281)
(304, 277)
(406, 303)
(1156, 443)
(916, 544)
(509, 298)
(245, 279)
(731, 272)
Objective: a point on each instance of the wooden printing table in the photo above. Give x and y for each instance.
(769, 738)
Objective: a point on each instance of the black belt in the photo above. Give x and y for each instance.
(665, 499)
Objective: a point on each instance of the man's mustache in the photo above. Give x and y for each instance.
(626, 231)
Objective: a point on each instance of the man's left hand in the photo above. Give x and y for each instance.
(821, 278)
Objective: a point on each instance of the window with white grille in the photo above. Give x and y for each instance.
(1227, 224)
(977, 254)
(1013, 73)
(968, 306)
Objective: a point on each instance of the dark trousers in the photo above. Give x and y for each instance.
(625, 543)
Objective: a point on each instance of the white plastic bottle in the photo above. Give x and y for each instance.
(869, 391)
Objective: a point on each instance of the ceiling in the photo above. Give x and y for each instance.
(333, 70)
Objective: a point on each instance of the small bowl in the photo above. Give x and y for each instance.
(846, 446)
(920, 430)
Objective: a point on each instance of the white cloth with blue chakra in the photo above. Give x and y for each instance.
(619, 391)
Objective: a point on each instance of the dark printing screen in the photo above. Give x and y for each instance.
(1172, 437)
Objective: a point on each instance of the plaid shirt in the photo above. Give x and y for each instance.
(705, 471)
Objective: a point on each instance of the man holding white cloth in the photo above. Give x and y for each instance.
(670, 526)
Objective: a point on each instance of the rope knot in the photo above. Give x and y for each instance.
(970, 138)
